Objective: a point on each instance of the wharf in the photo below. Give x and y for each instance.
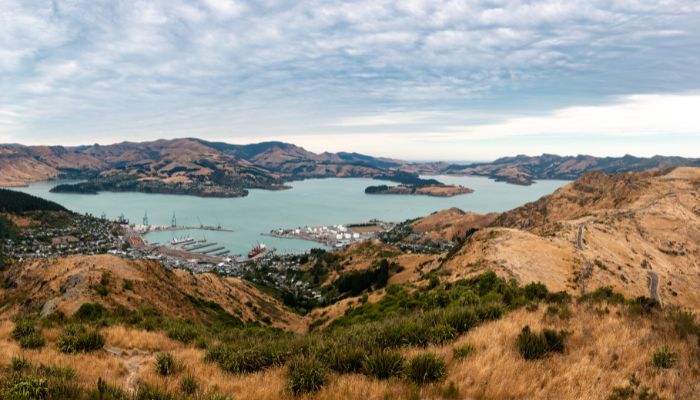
(213, 250)
(200, 246)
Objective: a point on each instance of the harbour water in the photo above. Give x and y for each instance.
(309, 203)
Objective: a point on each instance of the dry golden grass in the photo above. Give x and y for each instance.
(130, 338)
(603, 350)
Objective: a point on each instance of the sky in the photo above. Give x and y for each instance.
(420, 80)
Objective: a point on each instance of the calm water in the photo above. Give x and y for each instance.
(311, 202)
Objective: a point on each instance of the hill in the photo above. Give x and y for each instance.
(203, 168)
(61, 286)
(524, 170)
(17, 202)
(638, 233)
(594, 284)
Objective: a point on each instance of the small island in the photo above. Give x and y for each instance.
(429, 190)
(409, 183)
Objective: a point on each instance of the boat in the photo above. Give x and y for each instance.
(256, 251)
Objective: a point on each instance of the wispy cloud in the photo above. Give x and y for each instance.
(79, 71)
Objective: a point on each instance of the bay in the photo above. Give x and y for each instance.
(311, 202)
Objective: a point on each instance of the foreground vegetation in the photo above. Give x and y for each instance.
(412, 336)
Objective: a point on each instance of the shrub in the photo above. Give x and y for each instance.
(684, 323)
(23, 328)
(105, 391)
(463, 351)
(305, 374)
(188, 385)
(664, 358)
(165, 364)
(183, 332)
(28, 388)
(146, 392)
(32, 341)
(90, 312)
(128, 285)
(426, 368)
(75, 339)
(19, 363)
(383, 364)
(461, 319)
(644, 305)
(535, 291)
(345, 359)
(533, 346)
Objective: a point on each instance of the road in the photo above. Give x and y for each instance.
(653, 285)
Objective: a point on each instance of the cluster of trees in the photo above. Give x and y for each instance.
(407, 178)
(17, 202)
(375, 277)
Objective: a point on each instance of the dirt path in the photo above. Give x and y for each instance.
(653, 285)
(133, 359)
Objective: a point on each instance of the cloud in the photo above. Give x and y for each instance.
(81, 69)
(647, 114)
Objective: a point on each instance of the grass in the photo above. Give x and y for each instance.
(165, 364)
(77, 339)
(261, 358)
(664, 358)
(533, 346)
(305, 374)
(463, 351)
(426, 368)
(28, 336)
(383, 364)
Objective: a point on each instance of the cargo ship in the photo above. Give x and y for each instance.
(257, 251)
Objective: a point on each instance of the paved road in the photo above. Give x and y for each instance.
(653, 285)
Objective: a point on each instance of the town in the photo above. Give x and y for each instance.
(337, 236)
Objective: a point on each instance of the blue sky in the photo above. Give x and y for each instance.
(455, 80)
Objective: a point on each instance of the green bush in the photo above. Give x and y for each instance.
(684, 323)
(247, 357)
(305, 374)
(183, 332)
(345, 358)
(461, 319)
(32, 341)
(90, 312)
(146, 392)
(426, 368)
(128, 285)
(188, 385)
(533, 345)
(75, 339)
(664, 358)
(383, 364)
(23, 328)
(19, 363)
(165, 364)
(535, 291)
(105, 391)
(463, 351)
(28, 388)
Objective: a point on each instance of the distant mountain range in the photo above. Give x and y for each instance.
(199, 167)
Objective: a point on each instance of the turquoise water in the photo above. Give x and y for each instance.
(312, 202)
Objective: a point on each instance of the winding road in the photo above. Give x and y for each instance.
(653, 285)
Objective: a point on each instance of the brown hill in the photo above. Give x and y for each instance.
(524, 170)
(639, 233)
(450, 224)
(62, 285)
